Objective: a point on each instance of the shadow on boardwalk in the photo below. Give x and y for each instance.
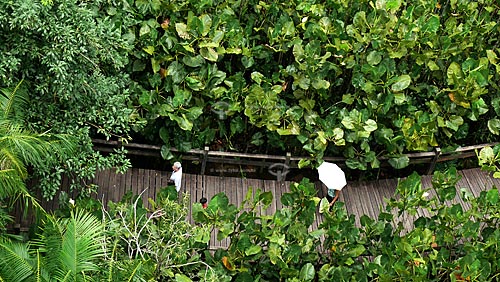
(360, 198)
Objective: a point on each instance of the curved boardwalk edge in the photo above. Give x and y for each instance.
(364, 197)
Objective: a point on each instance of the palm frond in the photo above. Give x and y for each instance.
(9, 160)
(11, 183)
(14, 102)
(34, 148)
(50, 241)
(15, 262)
(82, 242)
(72, 246)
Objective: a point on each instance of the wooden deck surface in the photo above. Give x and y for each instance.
(365, 197)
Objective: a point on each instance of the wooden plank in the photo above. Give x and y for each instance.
(114, 182)
(496, 182)
(211, 191)
(186, 189)
(484, 178)
(164, 179)
(197, 189)
(255, 184)
(380, 190)
(140, 182)
(153, 176)
(229, 189)
(364, 199)
(112, 185)
(368, 201)
(128, 183)
(222, 186)
(148, 174)
(387, 189)
(281, 188)
(458, 197)
(374, 199)
(469, 180)
(103, 183)
(237, 192)
(241, 191)
(354, 203)
(346, 194)
(95, 181)
(134, 181)
(118, 191)
(271, 187)
(200, 188)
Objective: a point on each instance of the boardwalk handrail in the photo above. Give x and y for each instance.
(430, 157)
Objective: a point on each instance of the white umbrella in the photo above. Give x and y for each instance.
(332, 176)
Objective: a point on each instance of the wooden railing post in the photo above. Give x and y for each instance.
(287, 159)
(281, 173)
(437, 153)
(204, 161)
(286, 168)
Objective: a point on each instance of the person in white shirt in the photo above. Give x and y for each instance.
(176, 176)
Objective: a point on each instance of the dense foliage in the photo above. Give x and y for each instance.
(21, 149)
(361, 79)
(132, 243)
(69, 59)
(354, 78)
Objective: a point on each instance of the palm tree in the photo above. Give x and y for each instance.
(68, 249)
(20, 147)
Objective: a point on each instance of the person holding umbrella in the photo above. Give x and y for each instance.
(334, 179)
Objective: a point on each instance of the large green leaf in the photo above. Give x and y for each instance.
(182, 278)
(182, 121)
(195, 61)
(401, 83)
(209, 54)
(399, 162)
(307, 272)
(431, 25)
(207, 24)
(182, 30)
(454, 73)
(494, 126)
(374, 58)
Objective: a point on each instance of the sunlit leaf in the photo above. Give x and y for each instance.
(253, 250)
(454, 73)
(207, 24)
(209, 54)
(307, 272)
(431, 25)
(492, 56)
(494, 126)
(402, 82)
(195, 61)
(182, 30)
(374, 58)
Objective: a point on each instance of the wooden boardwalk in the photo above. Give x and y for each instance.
(360, 198)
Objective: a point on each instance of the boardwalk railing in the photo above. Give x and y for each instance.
(288, 161)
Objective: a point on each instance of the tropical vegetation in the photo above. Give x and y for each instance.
(367, 80)
(357, 79)
(129, 242)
